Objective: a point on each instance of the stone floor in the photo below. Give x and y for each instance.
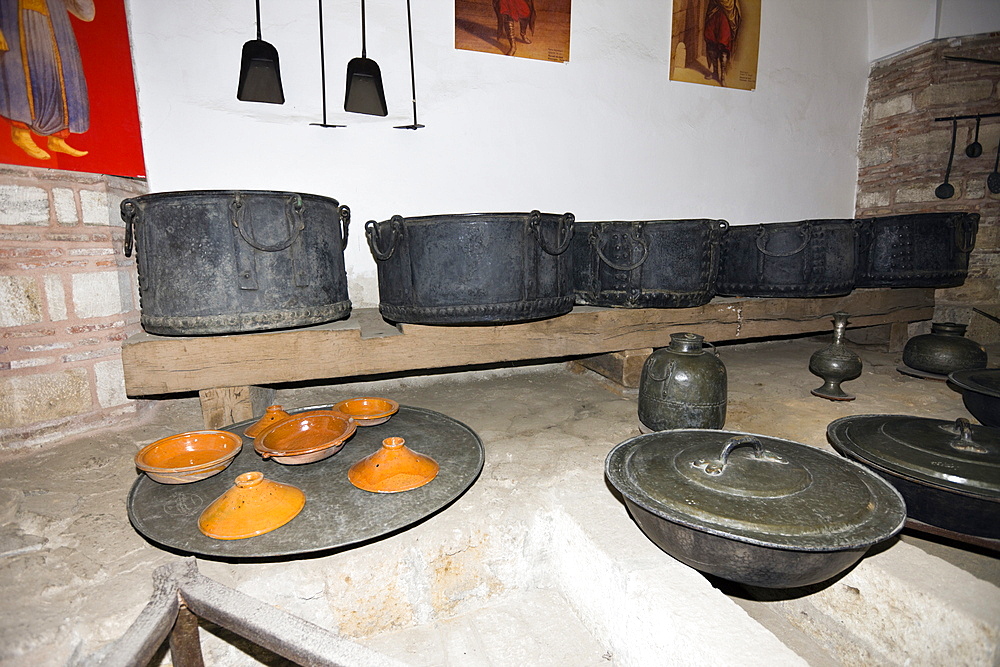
(538, 563)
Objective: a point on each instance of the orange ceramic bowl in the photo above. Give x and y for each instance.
(188, 457)
(368, 411)
(305, 437)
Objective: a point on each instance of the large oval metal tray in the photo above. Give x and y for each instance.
(336, 513)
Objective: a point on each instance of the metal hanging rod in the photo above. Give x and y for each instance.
(982, 61)
(969, 117)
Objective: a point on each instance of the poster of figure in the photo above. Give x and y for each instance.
(537, 29)
(67, 94)
(715, 42)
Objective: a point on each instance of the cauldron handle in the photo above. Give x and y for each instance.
(965, 233)
(716, 467)
(295, 203)
(130, 213)
(640, 241)
(806, 235)
(345, 221)
(565, 221)
(373, 232)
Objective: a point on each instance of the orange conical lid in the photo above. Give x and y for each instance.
(253, 506)
(394, 467)
(272, 415)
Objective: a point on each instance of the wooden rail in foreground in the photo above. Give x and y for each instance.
(228, 371)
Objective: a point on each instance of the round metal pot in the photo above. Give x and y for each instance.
(947, 472)
(980, 393)
(473, 268)
(753, 509)
(944, 350)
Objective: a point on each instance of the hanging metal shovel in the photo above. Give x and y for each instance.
(364, 81)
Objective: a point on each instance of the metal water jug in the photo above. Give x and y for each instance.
(683, 386)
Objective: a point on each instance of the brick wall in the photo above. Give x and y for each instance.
(903, 155)
(68, 298)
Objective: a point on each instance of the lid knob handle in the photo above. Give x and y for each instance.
(716, 467)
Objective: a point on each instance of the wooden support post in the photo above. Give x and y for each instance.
(227, 405)
(624, 367)
(898, 335)
(185, 644)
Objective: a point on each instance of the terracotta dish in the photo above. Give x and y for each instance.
(188, 457)
(253, 506)
(393, 468)
(272, 415)
(368, 411)
(305, 437)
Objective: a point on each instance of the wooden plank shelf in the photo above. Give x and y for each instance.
(228, 370)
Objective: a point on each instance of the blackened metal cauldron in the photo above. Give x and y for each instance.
(811, 258)
(916, 250)
(234, 261)
(646, 264)
(473, 268)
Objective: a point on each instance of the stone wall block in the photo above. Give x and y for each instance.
(954, 94)
(867, 200)
(97, 294)
(876, 156)
(64, 203)
(892, 106)
(94, 204)
(923, 192)
(932, 143)
(55, 297)
(23, 205)
(110, 378)
(43, 397)
(21, 299)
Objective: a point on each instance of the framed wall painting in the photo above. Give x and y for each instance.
(537, 29)
(67, 93)
(715, 42)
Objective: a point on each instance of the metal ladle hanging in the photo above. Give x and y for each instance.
(975, 149)
(993, 180)
(946, 189)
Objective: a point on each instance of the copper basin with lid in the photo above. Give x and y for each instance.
(753, 509)
(947, 472)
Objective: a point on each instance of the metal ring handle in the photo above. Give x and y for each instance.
(345, 222)
(373, 231)
(806, 235)
(565, 222)
(294, 203)
(965, 234)
(130, 214)
(640, 241)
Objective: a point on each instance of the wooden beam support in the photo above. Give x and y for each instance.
(228, 405)
(624, 367)
(365, 345)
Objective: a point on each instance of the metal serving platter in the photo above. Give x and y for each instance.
(336, 513)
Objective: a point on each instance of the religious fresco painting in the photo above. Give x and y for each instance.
(67, 93)
(715, 42)
(537, 29)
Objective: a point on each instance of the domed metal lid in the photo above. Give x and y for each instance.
(757, 489)
(956, 456)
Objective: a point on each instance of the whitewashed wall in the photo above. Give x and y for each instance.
(605, 136)
(897, 25)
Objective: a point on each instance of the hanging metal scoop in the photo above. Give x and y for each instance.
(364, 82)
(260, 74)
(993, 180)
(975, 149)
(946, 189)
